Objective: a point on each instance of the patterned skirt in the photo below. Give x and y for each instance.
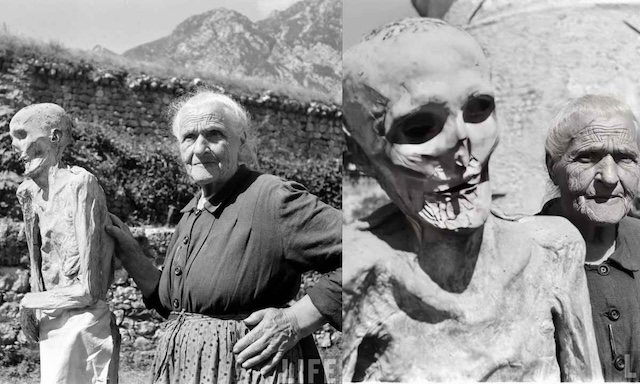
(197, 349)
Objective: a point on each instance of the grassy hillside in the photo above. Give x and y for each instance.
(13, 45)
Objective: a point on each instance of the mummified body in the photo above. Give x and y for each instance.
(436, 287)
(70, 253)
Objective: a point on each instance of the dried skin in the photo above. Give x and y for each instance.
(30, 324)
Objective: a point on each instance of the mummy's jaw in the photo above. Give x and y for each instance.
(455, 208)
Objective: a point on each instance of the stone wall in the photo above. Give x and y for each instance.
(138, 103)
(542, 52)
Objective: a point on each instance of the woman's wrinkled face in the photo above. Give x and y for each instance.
(209, 147)
(599, 173)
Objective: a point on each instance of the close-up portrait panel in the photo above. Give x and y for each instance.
(489, 191)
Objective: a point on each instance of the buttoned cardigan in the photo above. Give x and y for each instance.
(614, 290)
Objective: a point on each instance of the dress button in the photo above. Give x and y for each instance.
(619, 362)
(614, 314)
(178, 271)
(185, 240)
(176, 303)
(603, 269)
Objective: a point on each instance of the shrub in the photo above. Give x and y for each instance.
(144, 179)
(322, 177)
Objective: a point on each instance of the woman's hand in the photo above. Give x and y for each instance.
(274, 332)
(126, 244)
(139, 267)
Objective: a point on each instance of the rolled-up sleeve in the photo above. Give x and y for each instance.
(326, 295)
(153, 302)
(311, 234)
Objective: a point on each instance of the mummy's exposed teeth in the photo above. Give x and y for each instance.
(426, 214)
(450, 211)
(464, 201)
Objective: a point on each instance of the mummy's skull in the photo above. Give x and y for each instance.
(419, 113)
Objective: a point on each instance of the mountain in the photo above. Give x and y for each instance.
(300, 45)
(102, 51)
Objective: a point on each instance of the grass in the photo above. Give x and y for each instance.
(11, 44)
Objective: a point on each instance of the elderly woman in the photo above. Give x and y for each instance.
(235, 262)
(592, 156)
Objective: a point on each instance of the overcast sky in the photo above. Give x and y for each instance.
(115, 24)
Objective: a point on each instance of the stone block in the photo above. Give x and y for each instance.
(6, 282)
(126, 336)
(323, 339)
(120, 277)
(21, 284)
(9, 309)
(143, 344)
(145, 328)
(13, 245)
(8, 334)
(119, 316)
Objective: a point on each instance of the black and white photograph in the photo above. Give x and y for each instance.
(489, 191)
(170, 191)
(319, 191)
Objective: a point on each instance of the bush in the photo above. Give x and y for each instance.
(18, 361)
(144, 180)
(322, 177)
(9, 207)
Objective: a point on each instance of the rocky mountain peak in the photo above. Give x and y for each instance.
(318, 21)
(300, 45)
(102, 51)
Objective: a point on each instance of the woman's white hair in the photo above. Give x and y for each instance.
(573, 115)
(238, 117)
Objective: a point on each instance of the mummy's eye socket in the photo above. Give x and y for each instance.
(419, 127)
(19, 134)
(478, 109)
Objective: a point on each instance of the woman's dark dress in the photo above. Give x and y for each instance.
(246, 250)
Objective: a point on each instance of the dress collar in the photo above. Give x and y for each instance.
(215, 202)
(627, 245)
(627, 239)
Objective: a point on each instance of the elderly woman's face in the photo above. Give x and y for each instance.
(599, 173)
(208, 146)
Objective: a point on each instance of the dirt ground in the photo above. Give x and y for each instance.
(135, 367)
